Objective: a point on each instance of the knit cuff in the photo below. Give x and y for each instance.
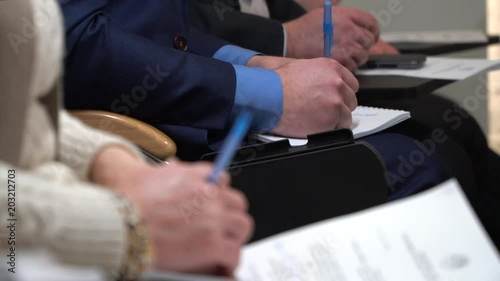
(88, 229)
(80, 144)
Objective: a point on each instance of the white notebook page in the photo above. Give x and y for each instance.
(365, 121)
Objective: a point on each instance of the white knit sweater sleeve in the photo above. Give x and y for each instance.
(79, 144)
(80, 223)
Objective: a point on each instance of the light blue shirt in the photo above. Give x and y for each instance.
(256, 88)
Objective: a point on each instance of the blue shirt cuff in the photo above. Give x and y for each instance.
(261, 90)
(234, 54)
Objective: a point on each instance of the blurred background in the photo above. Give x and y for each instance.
(423, 15)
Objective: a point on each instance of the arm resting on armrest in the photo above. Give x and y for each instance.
(141, 134)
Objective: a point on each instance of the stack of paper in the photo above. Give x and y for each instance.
(441, 68)
(442, 36)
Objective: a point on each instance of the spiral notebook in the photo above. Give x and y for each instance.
(365, 121)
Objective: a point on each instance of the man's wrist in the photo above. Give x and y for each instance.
(288, 39)
(267, 62)
(256, 61)
(285, 41)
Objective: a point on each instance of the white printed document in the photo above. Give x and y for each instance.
(365, 121)
(441, 36)
(433, 236)
(440, 68)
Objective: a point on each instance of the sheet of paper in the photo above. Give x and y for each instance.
(171, 276)
(441, 68)
(42, 265)
(430, 237)
(442, 36)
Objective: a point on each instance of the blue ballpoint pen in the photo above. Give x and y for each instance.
(328, 29)
(231, 144)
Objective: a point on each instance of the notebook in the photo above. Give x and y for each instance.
(365, 121)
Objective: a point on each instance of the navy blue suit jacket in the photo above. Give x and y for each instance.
(121, 58)
(224, 19)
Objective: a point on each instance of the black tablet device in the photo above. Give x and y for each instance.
(410, 61)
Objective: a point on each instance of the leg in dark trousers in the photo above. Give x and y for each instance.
(435, 112)
(430, 113)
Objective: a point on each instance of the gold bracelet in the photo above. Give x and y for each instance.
(140, 250)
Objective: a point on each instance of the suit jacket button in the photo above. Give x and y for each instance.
(180, 43)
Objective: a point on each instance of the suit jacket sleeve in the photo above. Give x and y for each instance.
(227, 22)
(285, 10)
(110, 68)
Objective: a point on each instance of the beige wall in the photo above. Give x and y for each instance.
(420, 15)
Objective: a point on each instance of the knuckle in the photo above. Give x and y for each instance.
(250, 224)
(356, 86)
(332, 64)
(371, 20)
(363, 57)
(225, 179)
(348, 51)
(367, 39)
(347, 122)
(244, 227)
(337, 83)
(249, 230)
(349, 119)
(335, 101)
(232, 259)
(239, 199)
(212, 215)
(367, 16)
(326, 119)
(208, 232)
(325, 62)
(203, 166)
(372, 27)
(354, 105)
(321, 60)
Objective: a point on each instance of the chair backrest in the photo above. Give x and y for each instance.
(145, 136)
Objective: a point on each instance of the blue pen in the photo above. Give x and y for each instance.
(328, 29)
(231, 144)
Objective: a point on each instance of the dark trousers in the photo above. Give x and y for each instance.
(465, 151)
(409, 169)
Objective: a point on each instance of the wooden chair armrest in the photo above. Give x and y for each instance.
(141, 134)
